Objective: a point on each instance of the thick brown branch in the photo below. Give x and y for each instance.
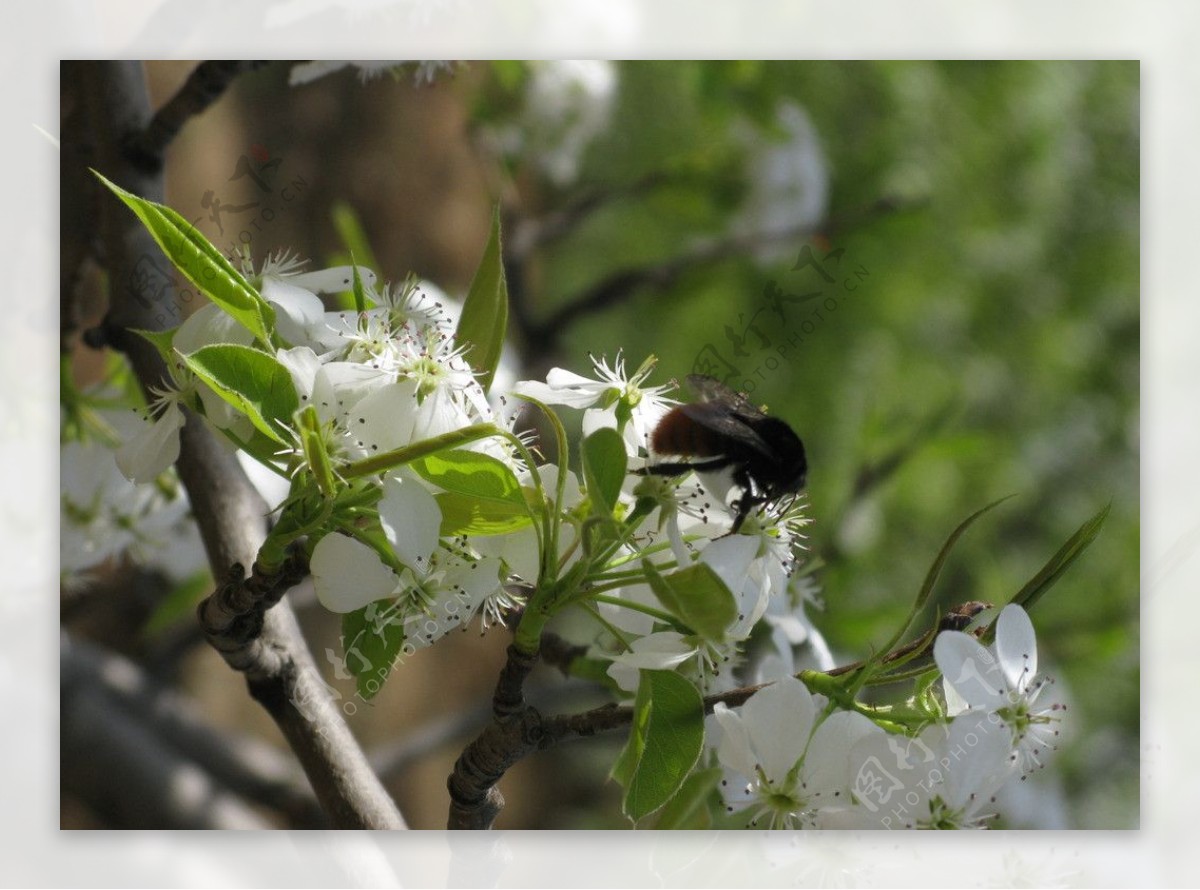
(559, 653)
(77, 195)
(204, 86)
(515, 731)
(263, 642)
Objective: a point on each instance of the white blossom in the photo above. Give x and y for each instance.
(785, 761)
(1002, 682)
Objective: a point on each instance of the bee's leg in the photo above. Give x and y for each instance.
(748, 501)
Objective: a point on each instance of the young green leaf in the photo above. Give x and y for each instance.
(201, 263)
(935, 570)
(697, 596)
(664, 744)
(161, 341)
(1061, 561)
(472, 473)
(360, 298)
(604, 468)
(371, 640)
(464, 514)
(252, 381)
(353, 236)
(485, 312)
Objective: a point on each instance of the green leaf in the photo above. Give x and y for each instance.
(201, 263)
(687, 810)
(1061, 561)
(664, 744)
(250, 380)
(926, 591)
(697, 596)
(360, 299)
(372, 638)
(604, 468)
(161, 341)
(464, 514)
(485, 312)
(472, 473)
(353, 236)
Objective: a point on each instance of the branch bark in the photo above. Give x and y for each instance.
(204, 86)
(279, 669)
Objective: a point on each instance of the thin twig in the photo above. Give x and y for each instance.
(623, 284)
(393, 759)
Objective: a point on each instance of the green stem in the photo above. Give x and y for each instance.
(380, 463)
(658, 614)
(607, 625)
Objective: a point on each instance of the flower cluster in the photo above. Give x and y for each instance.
(690, 524)
(793, 761)
(378, 380)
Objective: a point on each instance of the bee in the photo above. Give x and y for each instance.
(724, 430)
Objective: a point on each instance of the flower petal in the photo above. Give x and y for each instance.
(660, 651)
(733, 747)
(328, 281)
(383, 420)
(339, 386)
(465, 586)
(969, 668)
(730, 558)
(827, 760)
(1016, 647)
(297, 310)
(779, 720)
(302, 363)
(149, 453)
(208, 325)
(598, 418)
(348, 574)
(518, 550)
(411, 519)
(978, 760)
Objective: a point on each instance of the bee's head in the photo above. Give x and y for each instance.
(791, 465)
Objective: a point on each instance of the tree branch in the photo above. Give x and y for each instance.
(623, 284)
(77, 197)
(207, 82)
(263, 642)
(475, 802)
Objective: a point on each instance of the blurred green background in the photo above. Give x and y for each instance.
(977, 225)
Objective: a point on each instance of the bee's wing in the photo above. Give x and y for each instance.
(710, 389)
(720, 418)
